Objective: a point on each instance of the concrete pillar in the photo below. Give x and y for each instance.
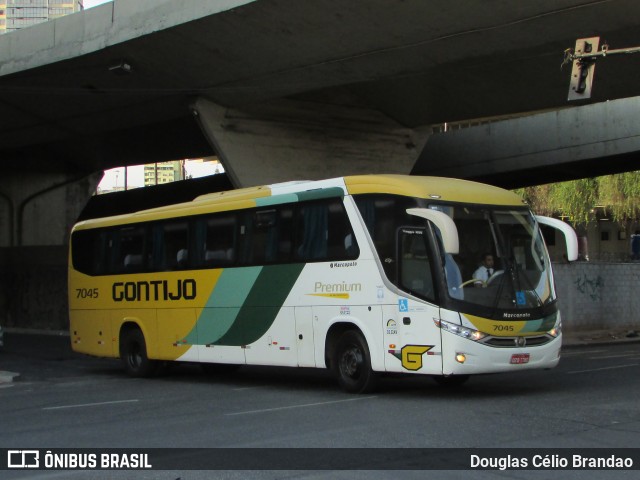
(303, 140)
(37, 211)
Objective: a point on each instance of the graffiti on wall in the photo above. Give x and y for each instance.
(590, 286)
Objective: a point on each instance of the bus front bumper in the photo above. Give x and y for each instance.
(461, 356)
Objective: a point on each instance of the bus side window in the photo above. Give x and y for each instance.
(219, 240)
(340, 239)
(324, 232)
(128, 250)
(312, 231)
(263, 237)
(383, 215)
(266, 235)
(88, 251)
(170, 246)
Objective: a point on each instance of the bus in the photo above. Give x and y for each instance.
(363, 275)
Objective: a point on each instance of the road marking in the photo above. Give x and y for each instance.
(585, 352)
(305, 405)
(614, 356)
(90, 404)
(241, 389)
(606, 368)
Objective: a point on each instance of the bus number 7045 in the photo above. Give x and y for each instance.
(86, 293)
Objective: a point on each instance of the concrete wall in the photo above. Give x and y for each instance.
(595, 295)
(37, 212)
(40, 208)
(33, 287)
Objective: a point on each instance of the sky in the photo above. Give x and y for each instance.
(93, 3)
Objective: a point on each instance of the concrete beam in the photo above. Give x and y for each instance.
(101, 27)
(293, 140)
(573, 143)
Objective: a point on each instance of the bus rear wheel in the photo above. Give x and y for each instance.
(352, 363)
(133, 353)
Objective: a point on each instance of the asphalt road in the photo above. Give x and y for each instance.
(64, 400)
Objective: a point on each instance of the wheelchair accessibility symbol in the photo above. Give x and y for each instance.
(403, 305)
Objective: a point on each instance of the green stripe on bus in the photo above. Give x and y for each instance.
(543, 325)
(262, 305)
(316, 194)
(223, 306)
(330, 192)
(277, 200)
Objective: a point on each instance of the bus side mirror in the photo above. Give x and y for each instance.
(570, 236)
(445, 224)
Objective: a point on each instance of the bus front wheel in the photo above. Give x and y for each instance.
(133, 353)
(352, 363)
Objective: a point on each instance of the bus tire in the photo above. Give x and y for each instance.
(352, 363)
(133, 353)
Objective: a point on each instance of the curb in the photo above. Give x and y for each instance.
(36, 331)
(7, 377)
(600, 337)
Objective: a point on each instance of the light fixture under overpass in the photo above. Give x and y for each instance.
(121, 68)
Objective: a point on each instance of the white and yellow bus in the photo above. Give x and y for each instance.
(363, 275)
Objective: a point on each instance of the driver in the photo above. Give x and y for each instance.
(485, 271)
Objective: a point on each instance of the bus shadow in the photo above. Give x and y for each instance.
(252, 377)
(305, 379)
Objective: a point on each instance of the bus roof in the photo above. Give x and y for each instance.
(437, 188)
(440, 188)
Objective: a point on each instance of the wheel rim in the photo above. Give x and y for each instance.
(134, 358)
(351, 362)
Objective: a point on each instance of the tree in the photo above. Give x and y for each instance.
(619, 194)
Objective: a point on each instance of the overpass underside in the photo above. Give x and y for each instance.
(588, 141)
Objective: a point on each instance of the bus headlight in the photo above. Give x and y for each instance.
(555, 331)
(461, 331)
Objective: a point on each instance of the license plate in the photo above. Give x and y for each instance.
(519, 358)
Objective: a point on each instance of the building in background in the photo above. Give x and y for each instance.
(163, 172)
(17, 14)
(136, 176)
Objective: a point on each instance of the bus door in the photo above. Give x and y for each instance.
(412, 338)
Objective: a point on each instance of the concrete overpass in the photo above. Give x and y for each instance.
(283, 89)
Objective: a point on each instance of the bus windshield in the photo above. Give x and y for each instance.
(502, 263)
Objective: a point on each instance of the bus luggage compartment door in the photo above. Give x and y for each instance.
(304, 337)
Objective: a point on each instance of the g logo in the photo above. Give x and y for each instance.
(412, 356)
